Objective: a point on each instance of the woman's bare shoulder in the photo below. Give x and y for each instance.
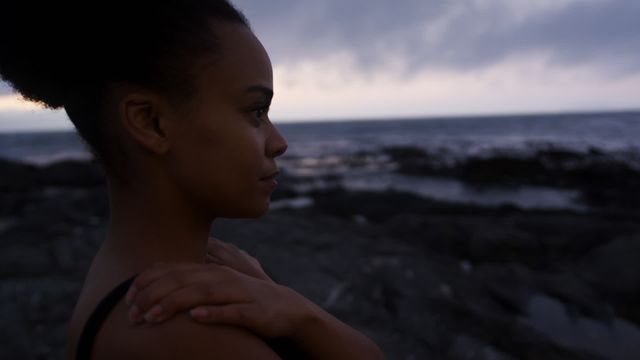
(177, 338)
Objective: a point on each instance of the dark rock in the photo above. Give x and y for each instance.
(14, 334)
(381, 206)
(425, 279)
(412, 160)
(468, 348)
(402, 153)
(17, 176)
(24, 260)
(72, 173)
(613, 270)
(503, 170)
(284, 192)
(603, 180)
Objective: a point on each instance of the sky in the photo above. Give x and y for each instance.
(368, 59)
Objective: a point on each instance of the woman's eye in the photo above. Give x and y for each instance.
(260, 113)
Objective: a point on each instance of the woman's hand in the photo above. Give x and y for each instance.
(218, 294)
(231, 288)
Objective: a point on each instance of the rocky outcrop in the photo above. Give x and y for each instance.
(425, 279)
(604, 181)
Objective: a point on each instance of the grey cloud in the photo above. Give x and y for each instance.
(602, 32)
(461, 34)
(5, 89)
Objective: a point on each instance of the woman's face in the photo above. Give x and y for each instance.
(227, 144)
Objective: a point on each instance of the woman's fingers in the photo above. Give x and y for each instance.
(233, 314)
(221, 294)
(214, 245)
(189, 297)
(172, 281)
(163, 290)
(150, 275)
(214, 259)
(254, 316)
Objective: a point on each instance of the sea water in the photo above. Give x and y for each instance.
(321, 150)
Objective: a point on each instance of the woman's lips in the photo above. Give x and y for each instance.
(272, 184)
(269, 181)
(270, 177)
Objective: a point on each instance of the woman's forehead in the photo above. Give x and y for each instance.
(241, 62)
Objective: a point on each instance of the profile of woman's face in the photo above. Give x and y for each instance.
(227, 143)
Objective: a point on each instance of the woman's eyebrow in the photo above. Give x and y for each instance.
(268, 92)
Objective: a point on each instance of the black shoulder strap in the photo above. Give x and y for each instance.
(98, 316)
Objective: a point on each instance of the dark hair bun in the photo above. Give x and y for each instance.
(32, 51)
(58, 52)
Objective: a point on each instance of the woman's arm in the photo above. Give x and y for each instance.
(326, 337)
(239, 293)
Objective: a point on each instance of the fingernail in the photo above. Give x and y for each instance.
(130, 295)
(134, 314)
(199, 312)
(153, 314)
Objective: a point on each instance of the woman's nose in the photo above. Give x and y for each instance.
(277, 144)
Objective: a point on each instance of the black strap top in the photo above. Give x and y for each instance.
(91, 328)
(283, 347)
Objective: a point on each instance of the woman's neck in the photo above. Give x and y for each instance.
(152, 224)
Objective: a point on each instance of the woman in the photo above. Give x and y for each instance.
(172, 98)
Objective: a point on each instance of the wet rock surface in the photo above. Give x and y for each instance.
(603, 179)
(425, 279)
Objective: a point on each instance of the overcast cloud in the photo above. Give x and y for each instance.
(360, 58)
(5, 89)
(457, 35)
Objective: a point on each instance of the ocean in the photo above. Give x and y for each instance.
(326, 150)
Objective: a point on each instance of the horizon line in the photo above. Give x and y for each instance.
(464, 116)
(391, 118)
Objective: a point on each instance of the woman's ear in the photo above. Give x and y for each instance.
(144, 121)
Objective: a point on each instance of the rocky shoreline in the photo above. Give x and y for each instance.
(426, 279)
(604, 180)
